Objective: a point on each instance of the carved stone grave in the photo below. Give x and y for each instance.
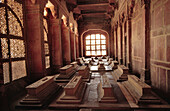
(106, 94)
(39, 93)
(73, 92)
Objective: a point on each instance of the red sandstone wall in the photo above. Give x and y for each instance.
(160, 44)
(138, 38)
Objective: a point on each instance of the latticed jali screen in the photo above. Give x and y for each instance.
(46, 44)
(12, 42)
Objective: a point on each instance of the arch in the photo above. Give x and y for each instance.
(94, 31)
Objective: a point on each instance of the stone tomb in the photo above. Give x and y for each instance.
(66, 73)
(125, 72)
(105, 91)
(101, 67)
(84, 71)
(39, 93)
(140, 91)
(112, 65)
(121, 73)
(73, 92)
(116, 63)
(75, 66)
(80, 61)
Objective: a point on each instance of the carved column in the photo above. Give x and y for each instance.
(116, 43)
(34, 39)
(56, 48)
(73, 48)
(77, 46)
(129, 40)
(65, 35)
(112, 44)
(123, 44)
(120, 44)
(146, 70)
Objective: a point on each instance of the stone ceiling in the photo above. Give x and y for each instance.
(92, 10)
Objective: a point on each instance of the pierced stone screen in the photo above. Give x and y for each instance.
(2, 21)
(17, 48)
(12, 41)
(6, 72)
(18, 69)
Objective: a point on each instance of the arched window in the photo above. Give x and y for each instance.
(95, 45)
(12, 44)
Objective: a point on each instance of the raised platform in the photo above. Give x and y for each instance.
(105, 90)
(66, 73)
(85, 73)
(75, 66)
(39, 93)
(121, 73)
(73, 92)
(140, 91)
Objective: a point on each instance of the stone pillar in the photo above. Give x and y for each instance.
(73, 48)
(112, 44)
(77, 46)
(146, 70)
(116, 43)
(120, 44)
(129, 44)
(56, 48)
(65, 35)
(34, 41)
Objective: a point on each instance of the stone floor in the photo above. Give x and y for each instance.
(90, 100)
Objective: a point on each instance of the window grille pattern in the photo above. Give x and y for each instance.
(45, 29)
(18, 69)
(17, 8)
(47, 62)
(3, 28)
(95, 45)
(17, 48)
(6, 72)
(46, 44)
(11, 41)
(4, 48)
(46, 47)
(14, 26)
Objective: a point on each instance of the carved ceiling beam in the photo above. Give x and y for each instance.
(93, 5)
